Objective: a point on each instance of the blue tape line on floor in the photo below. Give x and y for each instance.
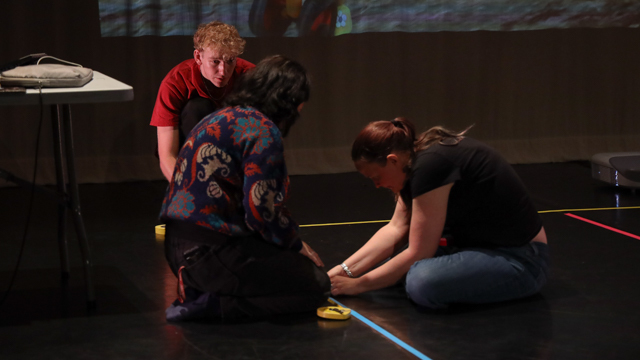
(384, 332)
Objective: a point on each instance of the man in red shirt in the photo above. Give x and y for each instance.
(196, 87)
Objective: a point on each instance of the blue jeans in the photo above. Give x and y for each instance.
(478, 275)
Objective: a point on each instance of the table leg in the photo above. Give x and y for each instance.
(58, 153)
(74, 205)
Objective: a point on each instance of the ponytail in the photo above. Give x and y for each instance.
(380, 138)
(440, 135)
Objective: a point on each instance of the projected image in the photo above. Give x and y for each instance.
(293, 18)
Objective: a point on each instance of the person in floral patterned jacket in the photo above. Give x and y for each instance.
(230, 239)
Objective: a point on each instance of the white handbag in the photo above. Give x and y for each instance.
(47, 75)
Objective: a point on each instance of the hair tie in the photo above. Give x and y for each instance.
(396, 123)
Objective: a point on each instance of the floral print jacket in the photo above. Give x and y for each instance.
(231, 177)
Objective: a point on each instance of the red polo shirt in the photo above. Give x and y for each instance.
(184, 82)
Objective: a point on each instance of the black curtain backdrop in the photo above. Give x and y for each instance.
(536, 96)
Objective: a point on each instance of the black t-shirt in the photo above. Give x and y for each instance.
(488, 203)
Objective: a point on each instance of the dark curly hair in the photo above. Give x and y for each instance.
(275, 87)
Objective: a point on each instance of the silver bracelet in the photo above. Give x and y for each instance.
(346, 269)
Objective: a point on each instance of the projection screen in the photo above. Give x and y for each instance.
(292, 18)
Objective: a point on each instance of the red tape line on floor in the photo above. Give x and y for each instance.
(603, 226)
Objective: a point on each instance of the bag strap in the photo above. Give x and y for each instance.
(55, 58)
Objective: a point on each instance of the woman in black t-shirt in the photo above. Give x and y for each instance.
(447, 186)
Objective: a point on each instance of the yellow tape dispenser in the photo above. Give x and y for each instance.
(334, 312)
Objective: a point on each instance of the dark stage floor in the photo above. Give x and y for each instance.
(587, 311)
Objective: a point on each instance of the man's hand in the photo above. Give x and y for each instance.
(308, 252)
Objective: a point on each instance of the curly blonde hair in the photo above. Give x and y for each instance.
(222, 36)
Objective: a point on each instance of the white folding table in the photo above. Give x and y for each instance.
(101, 89)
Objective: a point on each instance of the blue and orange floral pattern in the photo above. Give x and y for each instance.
(232, 178)
(250, 129)
(181, 205)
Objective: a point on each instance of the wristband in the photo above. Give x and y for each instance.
(346, 270)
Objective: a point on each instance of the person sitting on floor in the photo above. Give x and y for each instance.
(448, 185)
(230, 239)
(196, 87)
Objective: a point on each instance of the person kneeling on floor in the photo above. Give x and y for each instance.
(196, 87)
(230, 239)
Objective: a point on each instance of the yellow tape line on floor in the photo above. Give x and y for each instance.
(592, 209)
(540, 212)
(347, 223)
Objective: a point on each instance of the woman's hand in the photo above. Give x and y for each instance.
(336, 271)
(342, 285)
(308, 252)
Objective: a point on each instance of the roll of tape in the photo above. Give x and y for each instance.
(160, 230)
